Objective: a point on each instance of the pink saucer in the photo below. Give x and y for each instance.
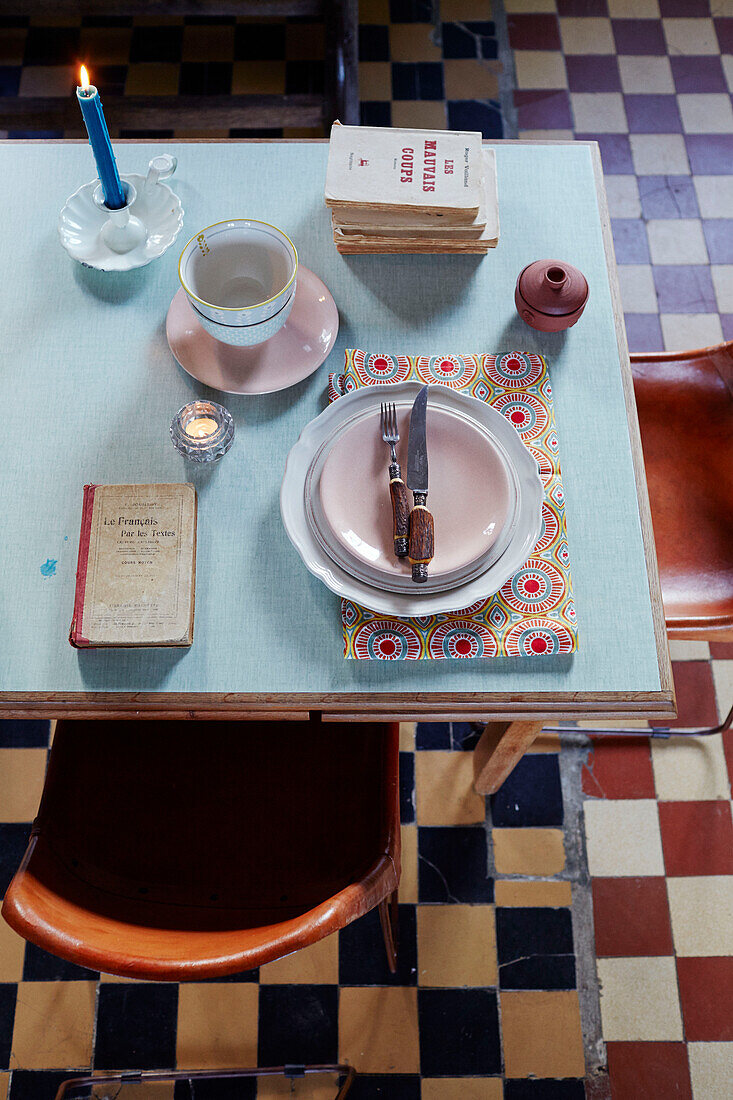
(296, 351)
(470, 492)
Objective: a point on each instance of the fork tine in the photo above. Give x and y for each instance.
(382, 419)
(394, 421)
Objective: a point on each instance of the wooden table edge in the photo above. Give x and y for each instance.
(403, 707)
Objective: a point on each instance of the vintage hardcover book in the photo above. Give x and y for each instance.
(136, 572)
(389, 168)
(378, 223)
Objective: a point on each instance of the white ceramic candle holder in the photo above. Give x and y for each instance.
(120, 240)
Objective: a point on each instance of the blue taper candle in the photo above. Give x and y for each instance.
(91, 109)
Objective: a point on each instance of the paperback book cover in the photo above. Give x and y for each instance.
(386, 168)
(135, 577)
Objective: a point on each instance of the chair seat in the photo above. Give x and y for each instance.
(180, 850)
(685, 407)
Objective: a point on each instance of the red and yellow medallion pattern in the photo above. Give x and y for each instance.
(533, 615)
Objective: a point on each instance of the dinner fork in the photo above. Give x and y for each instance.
(397, 487)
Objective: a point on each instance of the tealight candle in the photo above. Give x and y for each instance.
(201, 427)
(202, 431)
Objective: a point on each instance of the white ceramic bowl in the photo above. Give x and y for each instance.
(239, 273)
(246, 336)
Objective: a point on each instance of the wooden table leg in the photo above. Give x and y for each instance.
(501, 746)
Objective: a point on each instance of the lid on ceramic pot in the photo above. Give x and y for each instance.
(553, 287)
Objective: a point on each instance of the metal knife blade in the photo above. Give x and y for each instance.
(417, 447)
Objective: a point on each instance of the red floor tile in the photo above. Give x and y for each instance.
(649, 1071)
(619, 767)
(728, 750)
(534, 32)
(693, 683)
(721, 651)
(697, 838)
(706, 995)
(631, 917)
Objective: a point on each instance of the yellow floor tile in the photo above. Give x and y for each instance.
(545, 742)
(304, 132)
(317, 965)
(456, 945)
(584, 35)
(407, 736)
(599, 112)
(413, 42)
(4, 1083)
(54, 1022)
(639, 999)
(408, 880)
(149, 1090)
(22, 772)
(711, 1070)
(208, 43)
(623, 837)
(528, 851)
(461, 1088)
(47, 80)
(530, 7)
(217, 1025)
(445, 794)
(12, 953)
(265, 77)
(694, 37)
(468, 78)
(546, 135)
(465, 11)
(633, 9)
(542, 1035)
(551, 895)
(118, 978)
(152, 78)
(105, 45)
(375, 80)
(540, 69)
(378, 1029)
(374, 11)
(321, 1087)
(706, 113)
(690, 769)
(422, 114)
(304, 41)
(700, 908)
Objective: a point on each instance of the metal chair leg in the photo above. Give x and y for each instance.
(73, 1087)
(664, 732)
(388, 918)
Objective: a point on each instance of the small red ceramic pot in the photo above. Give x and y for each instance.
(550, 295)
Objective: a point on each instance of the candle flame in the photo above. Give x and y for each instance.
(84, 78)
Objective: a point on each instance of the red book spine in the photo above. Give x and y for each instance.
(76, 636)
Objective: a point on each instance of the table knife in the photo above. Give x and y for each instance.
(421, 538)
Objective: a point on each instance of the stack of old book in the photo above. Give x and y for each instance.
(399, 190)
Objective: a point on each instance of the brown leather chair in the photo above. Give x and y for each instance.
(180, 851)
(685, 404)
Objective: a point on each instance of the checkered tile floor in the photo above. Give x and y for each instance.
(486, 987)
(660, 857)
(651, 81)
(414, 69)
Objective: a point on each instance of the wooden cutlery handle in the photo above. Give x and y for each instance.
(422, 539)
(400, 510)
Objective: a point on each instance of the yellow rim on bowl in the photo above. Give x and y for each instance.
(236, 309)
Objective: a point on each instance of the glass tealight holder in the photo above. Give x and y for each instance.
(202, 431)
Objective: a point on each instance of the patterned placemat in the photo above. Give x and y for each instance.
(533, 614)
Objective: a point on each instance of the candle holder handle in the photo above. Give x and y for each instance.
(160, 168)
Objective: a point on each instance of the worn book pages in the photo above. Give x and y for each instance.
(378, 223)
(135, 578)
(351, 239)
(386, 168)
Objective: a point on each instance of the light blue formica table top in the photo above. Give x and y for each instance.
(90, 388)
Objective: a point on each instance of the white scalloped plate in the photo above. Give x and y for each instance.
(416, 601)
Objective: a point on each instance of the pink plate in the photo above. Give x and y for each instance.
(471, 493)
(294, 352)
